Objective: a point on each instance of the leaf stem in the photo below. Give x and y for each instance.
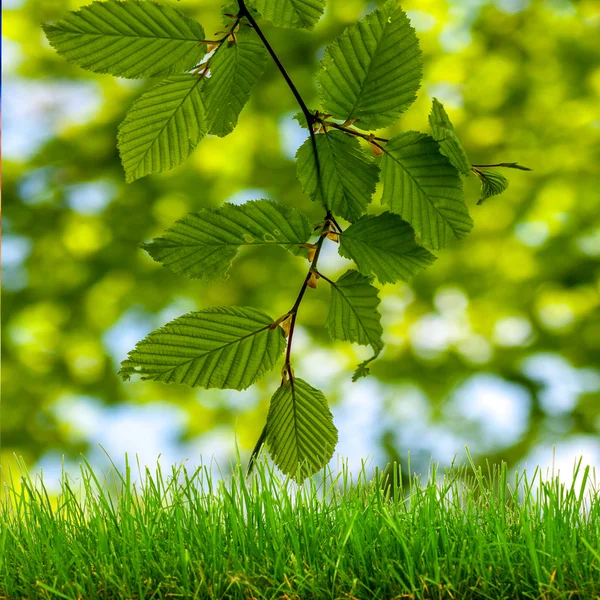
(368, 137)
(294, 310)
(326, 279)
(507, 165)
(205, 66)
(329, 219)
(311, 119)
(374, 141)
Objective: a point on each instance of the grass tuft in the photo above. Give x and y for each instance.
(465, 534)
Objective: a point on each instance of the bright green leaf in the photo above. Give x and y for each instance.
(233, 8)
(300, 117)
(301, 435)
(297, 14)
(492, 184)
(384, 245)
(373, 70)
(203, 244)
(227, 348)
(163, 127)
(347, 175)
(353, 314)
(234, 70)
(130, 39)
(423, 187)
(443, 133)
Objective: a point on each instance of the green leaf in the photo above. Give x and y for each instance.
(163, 127)
(384, 245)
(301, 118)
(297, 14)
(362, 370)
(130, 39)
(233, 8)
(347, 175)
(443, 133)
(353, 315)
(202, 245)
(226, 348)
(492, 184)
(423, 187)
(373, 70)
(234, 70)
(301, 435)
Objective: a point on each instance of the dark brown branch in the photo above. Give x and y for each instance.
(329, 219)
(294, 310)
(310, 120)
(244, 12)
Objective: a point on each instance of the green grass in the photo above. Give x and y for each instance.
(466, 534)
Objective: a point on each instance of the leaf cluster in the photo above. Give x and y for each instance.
(369, 76)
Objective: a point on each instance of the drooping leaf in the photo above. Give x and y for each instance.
(133, 39)
(421, 185)
(347, 175)
(297, 14)
(444, 134)
(163, 127)
(301, 435)
(362, 370)
(227, 347)
(492, 184)
(353, 314)
(235, 69)
(384, 245)
(373, 70)
(202, 245)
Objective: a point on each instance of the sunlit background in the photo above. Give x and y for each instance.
(496, 347)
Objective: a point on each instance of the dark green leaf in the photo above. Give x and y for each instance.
(130, 39)
(348, 177)
(492, 184)
(384, 246)
(228, 347)
(301, 435)
(163, 127)
(298, 14)
(443, 133)
(423, 187)
(234, 71)
(203, 244)
(373, 70)
(353, 314)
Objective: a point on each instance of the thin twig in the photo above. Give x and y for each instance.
(218, 44)
(329, 220)
(507, 165)
(310, 120)
(365, 136)
(326, 279)
(244, 12)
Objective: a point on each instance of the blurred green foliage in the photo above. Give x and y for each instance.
(521, 82)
